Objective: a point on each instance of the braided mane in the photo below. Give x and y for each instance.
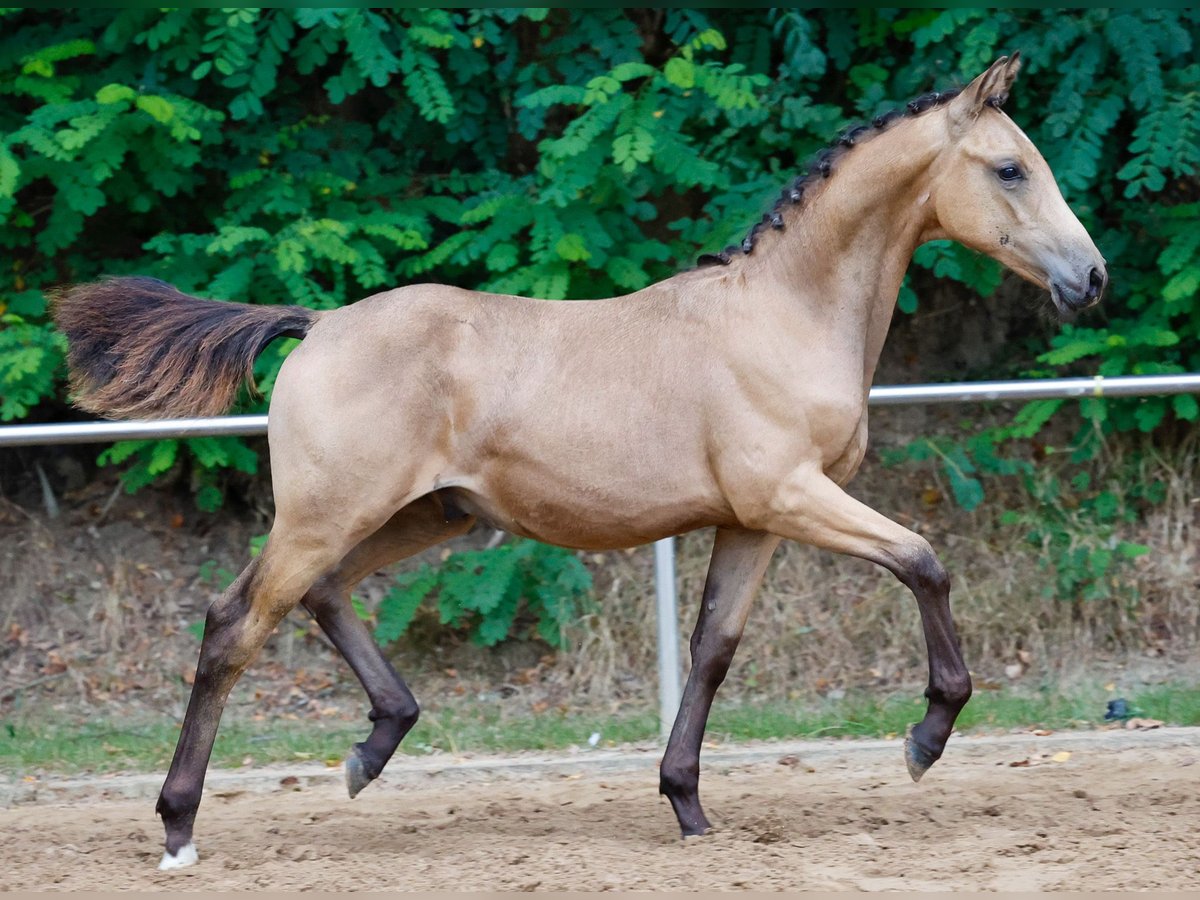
(823, 165)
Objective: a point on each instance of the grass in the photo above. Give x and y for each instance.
(35, 747)
(867, 716)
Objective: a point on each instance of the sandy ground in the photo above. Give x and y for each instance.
(1085, 811)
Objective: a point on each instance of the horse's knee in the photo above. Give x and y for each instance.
(924, 574)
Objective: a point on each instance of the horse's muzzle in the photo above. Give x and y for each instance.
(1071, 298)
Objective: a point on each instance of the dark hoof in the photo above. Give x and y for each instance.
(690, 831)
(356, 772)
(917, 758)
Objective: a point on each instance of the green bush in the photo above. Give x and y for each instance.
(485, 591)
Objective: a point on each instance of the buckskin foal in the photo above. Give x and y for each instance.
(732, 395)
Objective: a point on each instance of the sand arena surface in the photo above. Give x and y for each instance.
(1091, 811)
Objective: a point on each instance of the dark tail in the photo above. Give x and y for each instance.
(138, 348)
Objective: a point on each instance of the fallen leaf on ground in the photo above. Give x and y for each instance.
(1136, 724)
(1061, 756)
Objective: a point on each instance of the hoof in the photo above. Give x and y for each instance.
(695, 831)
(917, 758)
(356, 772)
(185, 857)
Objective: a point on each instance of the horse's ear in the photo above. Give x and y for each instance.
(989, 89)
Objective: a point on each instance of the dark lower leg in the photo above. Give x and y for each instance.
(739, 560)
(679, 775)
(225, 652)
(949, 681)
(394, 710)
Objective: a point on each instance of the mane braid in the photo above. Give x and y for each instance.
(823, 166)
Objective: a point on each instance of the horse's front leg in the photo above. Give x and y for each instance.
(810, 508)
(739, 560)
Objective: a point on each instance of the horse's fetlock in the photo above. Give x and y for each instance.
(679, 780)
(404, 711)
(958, 690)
(408, 716)
(952, 690)
(176, 804)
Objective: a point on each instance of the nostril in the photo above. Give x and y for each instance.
(1096, 282)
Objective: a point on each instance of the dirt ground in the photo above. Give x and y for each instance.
(1082, 811)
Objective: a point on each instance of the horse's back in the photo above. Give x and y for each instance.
(534, 410)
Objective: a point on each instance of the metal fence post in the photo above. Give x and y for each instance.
(668, 634)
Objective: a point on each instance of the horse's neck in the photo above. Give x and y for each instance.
(842, 257)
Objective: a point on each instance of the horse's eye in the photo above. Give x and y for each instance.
(1010, 172)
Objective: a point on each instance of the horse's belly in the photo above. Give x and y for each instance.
(588, 517)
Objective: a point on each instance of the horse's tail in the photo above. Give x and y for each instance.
(139, 348)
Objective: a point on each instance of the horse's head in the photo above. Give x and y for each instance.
(995, 193)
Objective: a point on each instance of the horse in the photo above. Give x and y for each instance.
(731, 395)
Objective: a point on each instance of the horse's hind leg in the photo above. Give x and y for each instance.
(739, 560)
(237, 626)
(393, 708)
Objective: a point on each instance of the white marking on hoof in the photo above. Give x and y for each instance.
(186, 856)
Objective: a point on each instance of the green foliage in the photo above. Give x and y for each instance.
(317, 155)
(1076, 529)
(1075, 525)
(486, 592)
(29, 359)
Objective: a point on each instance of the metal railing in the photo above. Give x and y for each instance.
(888, 395)
(664, 551)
